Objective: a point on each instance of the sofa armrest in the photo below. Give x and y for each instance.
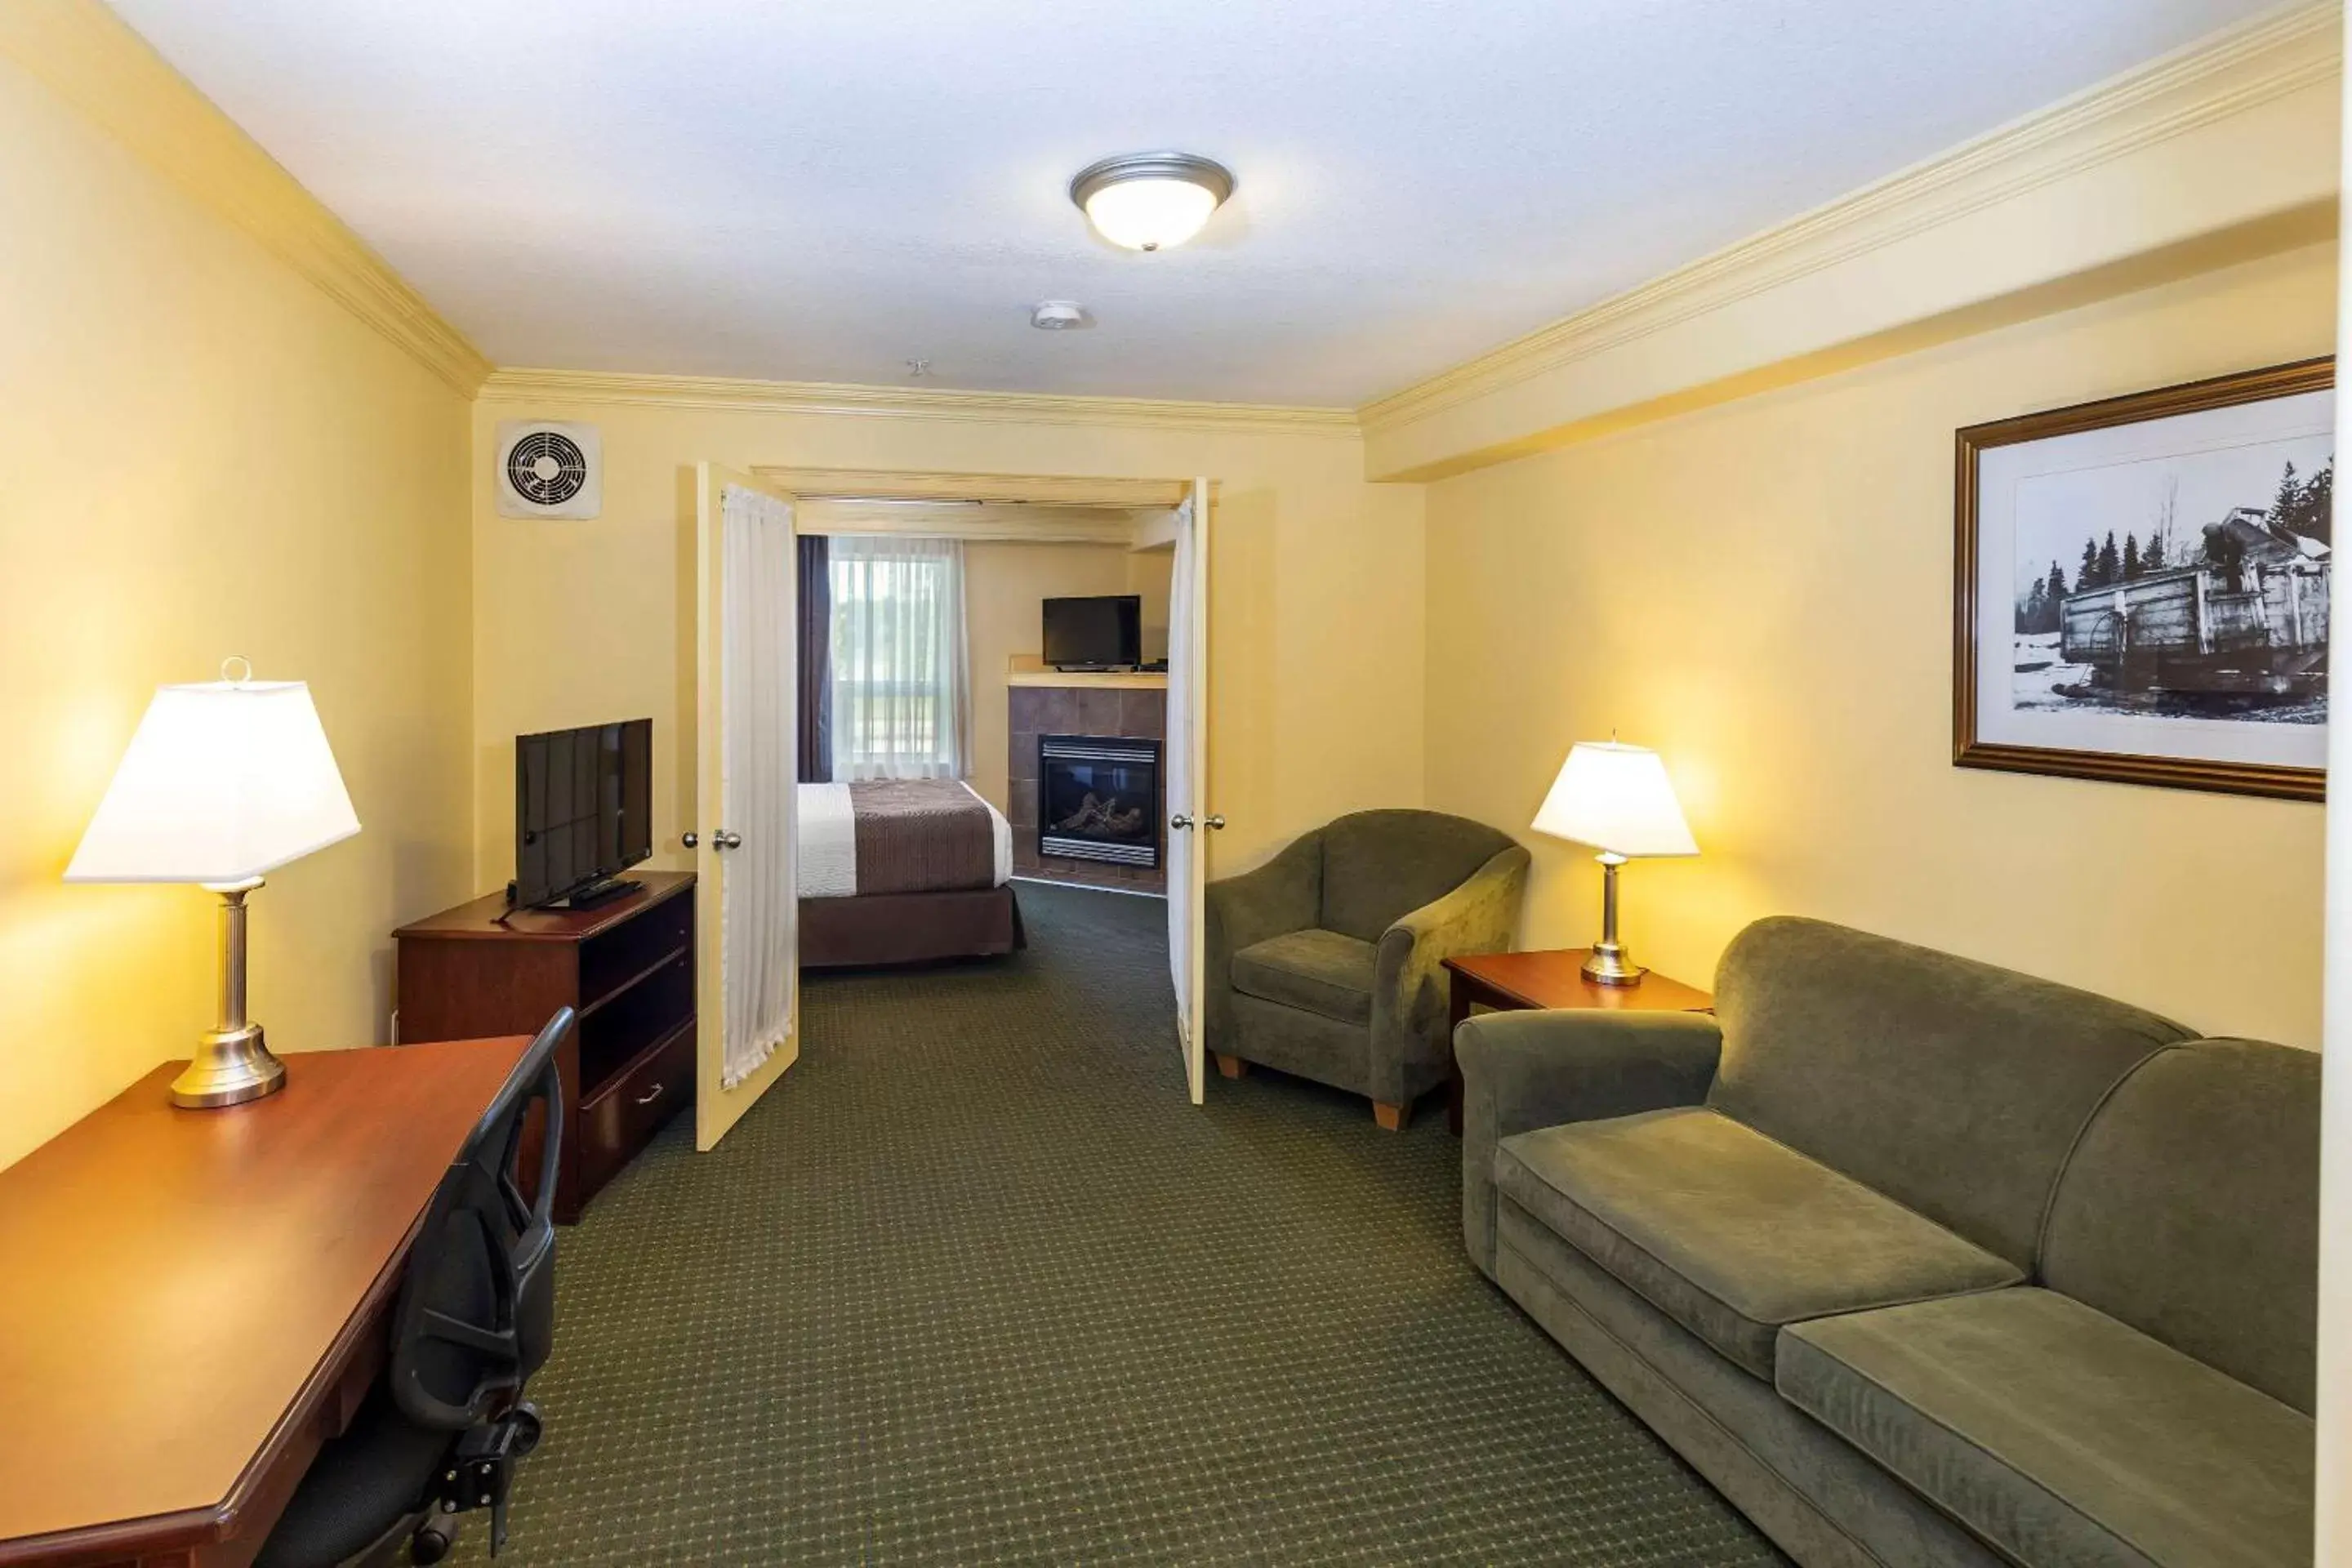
(1409, 985)
(1524, 1070)
(1283, 895)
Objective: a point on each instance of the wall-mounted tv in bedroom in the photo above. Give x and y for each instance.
(1104, 632)
(584, 812)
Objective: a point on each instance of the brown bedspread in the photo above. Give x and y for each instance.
(921, 835)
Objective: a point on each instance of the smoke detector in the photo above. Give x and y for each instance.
(1060, 316)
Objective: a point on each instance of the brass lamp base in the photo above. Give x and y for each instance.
(232, 1064)
(231, 1067)
(1608, 965)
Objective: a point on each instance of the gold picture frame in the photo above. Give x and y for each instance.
(2110, 637)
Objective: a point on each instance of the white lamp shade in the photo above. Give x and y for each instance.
(223, 782)
(1616, 798)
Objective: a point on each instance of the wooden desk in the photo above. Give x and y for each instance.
(1510, 980)
(193, 1301)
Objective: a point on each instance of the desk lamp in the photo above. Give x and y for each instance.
(224, 782)
(1617, 799)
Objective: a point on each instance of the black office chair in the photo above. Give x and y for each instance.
(440, 1433)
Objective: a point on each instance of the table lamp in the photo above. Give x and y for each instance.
(1616, 798)
(224, 782)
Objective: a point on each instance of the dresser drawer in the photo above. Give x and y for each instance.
(629, 1109)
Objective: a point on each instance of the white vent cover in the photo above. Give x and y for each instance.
(549, 469)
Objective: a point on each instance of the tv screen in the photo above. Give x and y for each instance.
(1107, 629)
(584, 808)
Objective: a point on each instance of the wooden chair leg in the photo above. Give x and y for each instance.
(1391, 1118)
(1230, 1066)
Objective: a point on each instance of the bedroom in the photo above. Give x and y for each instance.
(923, 631)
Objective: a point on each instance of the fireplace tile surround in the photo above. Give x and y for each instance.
(1123, 713)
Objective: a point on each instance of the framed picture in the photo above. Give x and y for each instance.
(2142, 586)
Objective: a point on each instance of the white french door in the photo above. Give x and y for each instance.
(746, 909)
(1190, 821)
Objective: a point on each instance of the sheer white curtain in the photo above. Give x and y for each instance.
(901, 691)
(1176, 756)
(759, 955)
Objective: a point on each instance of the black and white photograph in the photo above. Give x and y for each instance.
(2146, 586)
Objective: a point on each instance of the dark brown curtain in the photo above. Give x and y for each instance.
(817, 659)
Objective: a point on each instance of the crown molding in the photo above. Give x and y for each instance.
(2226, 74)
(87, 55)
(900, 403)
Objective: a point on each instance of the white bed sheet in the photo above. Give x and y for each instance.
(828, 841)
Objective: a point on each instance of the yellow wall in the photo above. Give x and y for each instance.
(1006, 583)
(1315, 596)
(205, 455)
(1763, 591)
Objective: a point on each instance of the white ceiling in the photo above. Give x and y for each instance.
(824, 191)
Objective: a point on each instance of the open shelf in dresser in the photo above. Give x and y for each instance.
(625, 966)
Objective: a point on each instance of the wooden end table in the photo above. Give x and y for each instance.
(1507, 982)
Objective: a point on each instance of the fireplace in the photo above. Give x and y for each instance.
(1098, 799)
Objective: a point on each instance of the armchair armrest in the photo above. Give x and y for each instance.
(1409, 985)
(1285, 894)
(1526, 1070)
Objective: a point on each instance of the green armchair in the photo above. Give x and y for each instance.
(1325, 962)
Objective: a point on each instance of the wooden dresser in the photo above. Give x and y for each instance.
(627, 966)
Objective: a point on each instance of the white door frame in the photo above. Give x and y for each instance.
(837, 496)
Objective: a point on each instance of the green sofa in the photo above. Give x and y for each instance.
(1922, 1262)
(1324, 961)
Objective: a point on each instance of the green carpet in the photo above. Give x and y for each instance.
(975, 1284)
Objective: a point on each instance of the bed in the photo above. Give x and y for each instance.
(903, 872)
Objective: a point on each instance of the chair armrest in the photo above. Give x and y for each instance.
(1409, 982)
(1524, 1070)
(1283, 895)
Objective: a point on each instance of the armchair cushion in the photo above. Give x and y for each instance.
(1316, 971)
(1729, 1232)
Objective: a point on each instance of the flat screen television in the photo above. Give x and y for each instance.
(584, 812)
(1094, 634)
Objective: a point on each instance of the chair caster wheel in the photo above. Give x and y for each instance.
(431, 1544)
(528, 1427)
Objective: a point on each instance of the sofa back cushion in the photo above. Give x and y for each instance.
(2190, 1211)
(1952, 1087)
(1378, 865)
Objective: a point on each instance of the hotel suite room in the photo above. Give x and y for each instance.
(973, 1261)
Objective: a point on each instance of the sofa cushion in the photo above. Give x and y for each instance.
(2190, 1211)
(1319, 972)
(2060, 1435)
(1954, 1087)
(1380, 866)
(1727, 1232)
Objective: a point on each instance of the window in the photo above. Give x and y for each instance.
(902, 699)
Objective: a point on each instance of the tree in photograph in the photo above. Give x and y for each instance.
(2303, 508)
(2086, 577)
(2054, 593)
(2132, 564)
(2111, 562)
(2151, 555)
(2032, 609)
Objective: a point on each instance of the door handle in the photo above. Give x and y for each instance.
(652, 1094)
(1212, 822)
(1180, 820)
(722, 840)
(690, 838)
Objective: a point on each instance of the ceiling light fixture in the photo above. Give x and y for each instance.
(1150, 200)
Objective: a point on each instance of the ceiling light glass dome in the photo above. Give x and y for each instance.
(1150, 200)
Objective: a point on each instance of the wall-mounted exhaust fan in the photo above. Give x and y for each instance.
(549, 469)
